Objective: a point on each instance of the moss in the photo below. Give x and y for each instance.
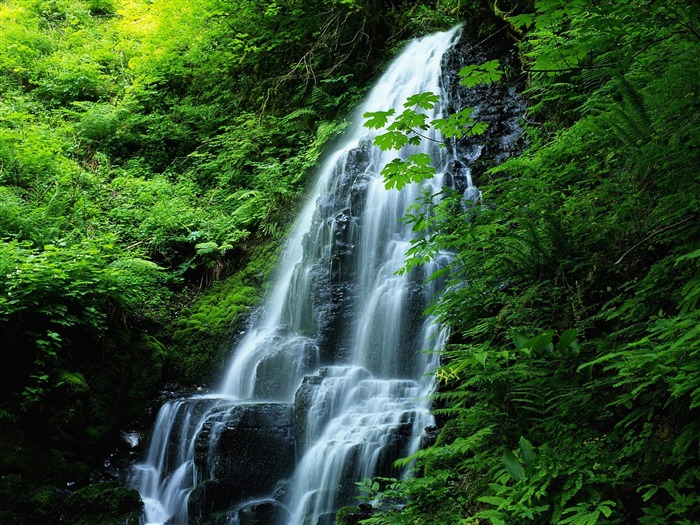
(34, 478)
(342, 515)
(205, 329)
(73, 383)
(39, 463)
(104, 503)
(46, 502)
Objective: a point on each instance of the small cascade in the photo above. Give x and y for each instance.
(331, 383)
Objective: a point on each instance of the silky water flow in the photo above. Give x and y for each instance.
(341, 342)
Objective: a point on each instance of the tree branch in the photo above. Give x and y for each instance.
(652, 234)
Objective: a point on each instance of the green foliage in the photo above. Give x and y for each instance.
(569, 393)
(484, 73)
(201, 338)
(106, 503)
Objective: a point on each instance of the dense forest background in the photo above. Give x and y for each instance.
(152, 154)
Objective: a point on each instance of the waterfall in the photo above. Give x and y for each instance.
(331, 382)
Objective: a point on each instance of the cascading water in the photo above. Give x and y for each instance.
(330, 384)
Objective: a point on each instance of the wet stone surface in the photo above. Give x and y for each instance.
(255, 449)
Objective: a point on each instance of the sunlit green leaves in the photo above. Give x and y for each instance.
(391, 140)
(409, 120)
(426, 100)
(524, 20)
(460, 124)
(484, 73)
(378, 119)
(409, 126)
(398, 173)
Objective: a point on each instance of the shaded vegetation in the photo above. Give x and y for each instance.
(570, 390)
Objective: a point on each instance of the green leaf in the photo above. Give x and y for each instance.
(481, 357)
(476, 74)
(566, 339)
(513, 466)
(688, 256)
(425, 100)
(494, 516)
(205, 248)
(479, 128)
(460, 124)
(542, 341)
(399, 173)
(409, 120)
(520, 340)
(377, 119)
(527, 452)
(390, 140)
(492, 500)
(525, 20)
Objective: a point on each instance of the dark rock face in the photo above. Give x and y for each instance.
(302, 405)
(301, 353)
(332, 290)
(429, 436)
(397, 446)
(500, 105)
(255, 449)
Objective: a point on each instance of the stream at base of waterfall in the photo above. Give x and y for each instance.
(330, 383)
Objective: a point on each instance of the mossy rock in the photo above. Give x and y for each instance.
(22, 502)
(73, 383)
(203, 333)
(353, 515)
(37, 463)
(104, 503)
(45, 502)
(341, 516)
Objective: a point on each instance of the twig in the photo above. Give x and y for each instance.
(655, 232)
(138, 242)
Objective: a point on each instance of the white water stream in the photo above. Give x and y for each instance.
(337, 315)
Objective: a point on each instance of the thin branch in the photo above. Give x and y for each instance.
(138, 243)
(531, 122)
(564, 69)
(652, 234)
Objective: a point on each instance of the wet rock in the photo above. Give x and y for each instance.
(500, 105)
(313, 397)
(353, 515)
(302, 405)
(297, 354)
(397, 446)
(255, 450)
(429, 436)
(265, 512)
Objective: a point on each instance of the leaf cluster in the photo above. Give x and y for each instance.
(414, 125)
